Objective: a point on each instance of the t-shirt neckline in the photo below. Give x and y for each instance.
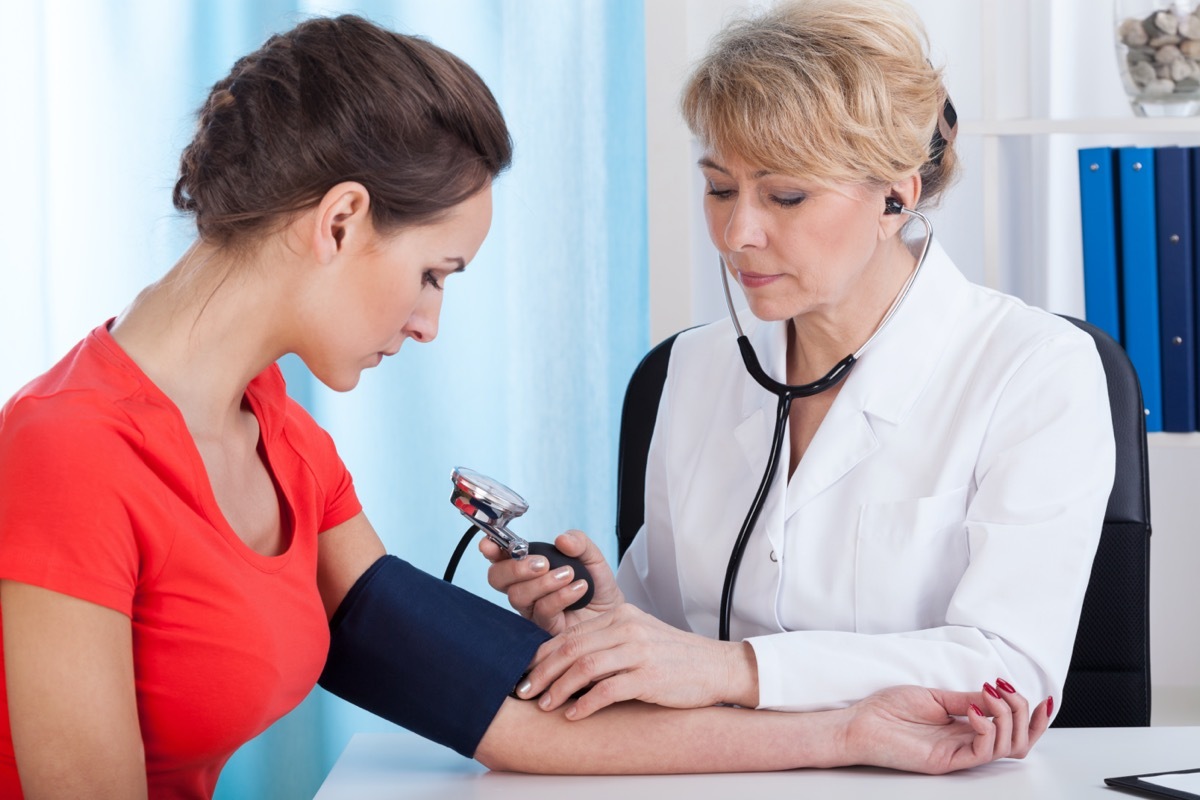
(202, 485)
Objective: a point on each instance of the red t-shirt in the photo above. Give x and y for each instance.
(104, 497)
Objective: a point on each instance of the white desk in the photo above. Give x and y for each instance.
(1066, 764)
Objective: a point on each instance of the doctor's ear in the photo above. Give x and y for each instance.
(898, 197)
(902, 194)
(341, 215)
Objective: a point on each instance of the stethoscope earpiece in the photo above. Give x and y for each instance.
(892, 206)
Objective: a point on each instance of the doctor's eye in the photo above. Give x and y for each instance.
(720, 194)
(787, 200)
(430, 279)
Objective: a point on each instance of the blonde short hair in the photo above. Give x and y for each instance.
(834, 90)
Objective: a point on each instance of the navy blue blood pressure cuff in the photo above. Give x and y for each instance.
(425, 654)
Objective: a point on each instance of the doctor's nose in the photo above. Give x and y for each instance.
(743, 230)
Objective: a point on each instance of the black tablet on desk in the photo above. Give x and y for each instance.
(1183, 784)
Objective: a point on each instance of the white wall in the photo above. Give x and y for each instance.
(681, 256)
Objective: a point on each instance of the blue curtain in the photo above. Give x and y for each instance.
(537, 337)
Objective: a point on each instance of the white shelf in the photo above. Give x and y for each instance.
(1170, 440)
(1116, 125)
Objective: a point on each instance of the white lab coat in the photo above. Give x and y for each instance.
(940, 528)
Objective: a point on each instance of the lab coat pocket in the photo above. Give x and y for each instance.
(910, 557)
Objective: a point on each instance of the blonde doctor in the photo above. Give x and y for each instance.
(935, 514)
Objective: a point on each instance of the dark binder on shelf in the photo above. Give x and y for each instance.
(1139, 275)
(1173, 168)
(1099, 223)
(1195, 230)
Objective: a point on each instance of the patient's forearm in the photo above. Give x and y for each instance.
(633, 738)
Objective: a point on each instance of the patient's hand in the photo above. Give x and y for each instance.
(542, 595)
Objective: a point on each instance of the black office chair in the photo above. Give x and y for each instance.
(1108, 683)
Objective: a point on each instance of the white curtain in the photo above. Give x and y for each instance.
(537, 339)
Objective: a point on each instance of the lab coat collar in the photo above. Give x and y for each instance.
(882, 387)
(898, 365)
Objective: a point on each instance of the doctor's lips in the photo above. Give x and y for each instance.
(753, 280)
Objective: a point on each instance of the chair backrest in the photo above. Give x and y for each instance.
(638, 415)
(1108, 683)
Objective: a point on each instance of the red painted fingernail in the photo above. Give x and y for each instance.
(1049, 706)
(976, 709)
(987, 687)
(1005, 685)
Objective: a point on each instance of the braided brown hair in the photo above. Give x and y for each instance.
(332, 100)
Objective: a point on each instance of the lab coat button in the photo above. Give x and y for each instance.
(773, 556)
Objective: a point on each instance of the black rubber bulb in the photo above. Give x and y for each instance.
(558, 559)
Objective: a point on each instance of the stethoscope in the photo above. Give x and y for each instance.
(787, 393)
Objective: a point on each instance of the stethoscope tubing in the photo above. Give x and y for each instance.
(786, 394)
(756, 507)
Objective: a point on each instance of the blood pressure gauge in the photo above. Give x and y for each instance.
(491, 505)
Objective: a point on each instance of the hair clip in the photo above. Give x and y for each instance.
(948, 121)
(946, 130)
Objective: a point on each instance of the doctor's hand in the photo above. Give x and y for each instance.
(627, 654)
(541, 594)
(933, 731)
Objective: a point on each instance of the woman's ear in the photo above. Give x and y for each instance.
(342, 215)
(902, 194)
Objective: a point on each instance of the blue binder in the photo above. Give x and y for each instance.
(1195, 231)
(1173, 168)
(1099, 222)
(1139, 274)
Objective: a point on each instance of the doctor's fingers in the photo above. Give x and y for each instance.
(607, 628)
(657, 665)
(1002, 717)
(614, 676)
(526, 583)
(578, 544)
(1036, 724)
(550, 610)
(522, 594)
(608, 691)
(506, 572)
(577, 637)
(569, 662)
(1021, 721)
(983, 745)
(492, 551)
(1017, 730)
